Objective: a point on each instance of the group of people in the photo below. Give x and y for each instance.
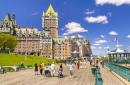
(96, 62)
(42, 68)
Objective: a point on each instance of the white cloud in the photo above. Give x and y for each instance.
(100, 47)
(109, 13)
(74, 27)
(92, 47)
(128, 36)
(96, 44)
(65, 33)
(113, 2)
(102, 36)
(89, 12)
(34, 13)
(62, 29)
(113, 33)
(78, 35)
(100, 41)
(98, 19)
(118, 45)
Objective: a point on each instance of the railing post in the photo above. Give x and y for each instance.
(126, 74)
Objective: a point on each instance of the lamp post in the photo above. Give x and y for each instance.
(108, 59)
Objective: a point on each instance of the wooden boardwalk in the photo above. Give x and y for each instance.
(109, 78)
(82, 77)
(27, 77)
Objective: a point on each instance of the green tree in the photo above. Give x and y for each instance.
(7, 42)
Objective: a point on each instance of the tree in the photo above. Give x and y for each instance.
(7, 42)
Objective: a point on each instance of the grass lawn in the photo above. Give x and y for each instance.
(12, 59)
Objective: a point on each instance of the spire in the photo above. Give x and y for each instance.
(69, 38)
(76, 36)
(7, 17)
(50, 10)
(85, 38)
(43, 14)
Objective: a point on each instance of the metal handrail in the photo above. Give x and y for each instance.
(120, 70)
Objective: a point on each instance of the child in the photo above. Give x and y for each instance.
(36, 69)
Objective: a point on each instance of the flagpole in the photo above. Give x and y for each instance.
(26, 45)
(117, 43)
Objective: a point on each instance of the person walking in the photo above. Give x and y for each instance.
(41, 68)
(36, 69)
(71, 67)
(77, 64)
(53, 69)
(90, 62)
(84, 64)
(102, 63)
(61, 67)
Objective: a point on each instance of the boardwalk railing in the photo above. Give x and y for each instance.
(120, 70)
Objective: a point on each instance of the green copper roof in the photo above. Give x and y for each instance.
(59, 40)
(78, 43)
(76, 36)
(7, 17)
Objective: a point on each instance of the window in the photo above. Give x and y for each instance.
(19, 38)
(19, 41)
(6, 28)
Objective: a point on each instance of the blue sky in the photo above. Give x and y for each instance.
(93, 18)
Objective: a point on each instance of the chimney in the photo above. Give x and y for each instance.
(18, 27)
(14, 16)
(31, 27)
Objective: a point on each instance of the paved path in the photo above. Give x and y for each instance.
(109, 78)
(27, 77)
(82, 77)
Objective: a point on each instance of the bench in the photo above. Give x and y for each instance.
(22, 67)
(9, 68)
(29, 66)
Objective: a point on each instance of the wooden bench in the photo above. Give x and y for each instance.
(22, 67)
(10, 69)
(29, 66)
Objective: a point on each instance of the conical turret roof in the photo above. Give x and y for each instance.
(69, 38)
(76, 36)
(85, 38)
(7, 17)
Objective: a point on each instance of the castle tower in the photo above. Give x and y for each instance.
(50, 22)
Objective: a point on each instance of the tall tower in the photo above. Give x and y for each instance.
(50, 22)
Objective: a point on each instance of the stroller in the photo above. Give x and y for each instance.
(60, 75)
(47, 73)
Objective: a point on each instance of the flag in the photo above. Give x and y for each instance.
(114, 39)
(26, 29)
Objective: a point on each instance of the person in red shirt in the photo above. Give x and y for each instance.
(102, 64)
